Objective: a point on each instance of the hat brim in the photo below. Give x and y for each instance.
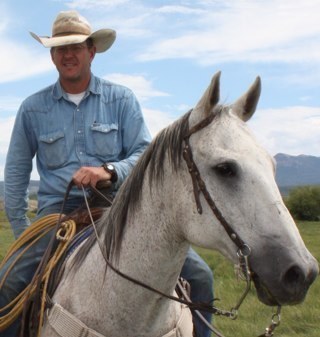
(102, 39)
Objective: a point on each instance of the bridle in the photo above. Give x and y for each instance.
(243, 252)
(244, 249)
(199, 186)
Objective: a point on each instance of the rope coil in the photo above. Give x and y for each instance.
(29, 237)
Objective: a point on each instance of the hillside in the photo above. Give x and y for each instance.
(297, 170)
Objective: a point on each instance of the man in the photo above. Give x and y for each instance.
(81, 128)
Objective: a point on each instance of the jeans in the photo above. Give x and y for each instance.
(200, 277)
(194, 270)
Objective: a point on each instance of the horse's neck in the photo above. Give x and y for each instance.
(151, 252)
(150, 255)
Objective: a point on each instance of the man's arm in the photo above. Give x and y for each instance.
(135, 138)
(17, 176)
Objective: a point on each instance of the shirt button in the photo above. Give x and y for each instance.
(79, 131)
(81, 152)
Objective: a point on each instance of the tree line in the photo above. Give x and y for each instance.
(304, 203)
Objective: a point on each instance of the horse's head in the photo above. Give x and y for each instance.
(238, 176)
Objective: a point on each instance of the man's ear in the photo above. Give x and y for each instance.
(51, 53)
(93, 51)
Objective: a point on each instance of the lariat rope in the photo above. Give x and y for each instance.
(30, 236)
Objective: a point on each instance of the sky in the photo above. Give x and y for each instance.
(167, 52)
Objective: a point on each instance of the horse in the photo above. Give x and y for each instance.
(204, 180)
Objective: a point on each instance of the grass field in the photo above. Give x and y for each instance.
(298, 321)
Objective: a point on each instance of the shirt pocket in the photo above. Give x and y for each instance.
(52, 149)
(104, 140)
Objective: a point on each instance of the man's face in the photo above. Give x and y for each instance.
(73, 61)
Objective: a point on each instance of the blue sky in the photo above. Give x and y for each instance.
(167, 52)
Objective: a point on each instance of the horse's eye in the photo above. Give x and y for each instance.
(226, 169)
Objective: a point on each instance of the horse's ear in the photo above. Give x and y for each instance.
(246, 105)
(208, 100)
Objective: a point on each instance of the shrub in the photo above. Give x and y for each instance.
(304, 203)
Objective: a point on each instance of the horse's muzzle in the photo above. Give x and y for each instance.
(290, 288)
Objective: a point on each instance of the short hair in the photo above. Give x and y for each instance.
(89, 42)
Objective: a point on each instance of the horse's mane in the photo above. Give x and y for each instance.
(111, 226)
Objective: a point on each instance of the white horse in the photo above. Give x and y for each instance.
(227, 198)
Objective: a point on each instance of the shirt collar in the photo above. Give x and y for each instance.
(94, 87)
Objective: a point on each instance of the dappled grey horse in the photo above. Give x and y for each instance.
(204, 180)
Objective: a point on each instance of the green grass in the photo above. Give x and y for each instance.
(296, 321)
(6, 236)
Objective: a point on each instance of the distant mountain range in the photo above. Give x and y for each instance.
(297, 170)
(291, 171)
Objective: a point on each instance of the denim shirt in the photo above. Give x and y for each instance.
(106, 126)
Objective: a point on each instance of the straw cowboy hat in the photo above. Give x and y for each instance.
(70, 28)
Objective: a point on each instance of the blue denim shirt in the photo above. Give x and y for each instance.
(106, 126)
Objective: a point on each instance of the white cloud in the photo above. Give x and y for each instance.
(292, 130)
(9, 104)
(18, 62)
(6, 125)
(142, 87)
(208, 32)
(277, 30)
(87, 4)
(156, 120)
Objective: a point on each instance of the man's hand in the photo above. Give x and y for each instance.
(90, 176)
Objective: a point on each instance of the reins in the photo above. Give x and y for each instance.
(191, 305)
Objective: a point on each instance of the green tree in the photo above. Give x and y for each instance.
(304, 203)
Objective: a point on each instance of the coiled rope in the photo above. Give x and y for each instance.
(28, 238)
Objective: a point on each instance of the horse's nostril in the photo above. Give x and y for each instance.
(294, 276)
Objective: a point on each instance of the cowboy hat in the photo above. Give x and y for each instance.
(70, 28)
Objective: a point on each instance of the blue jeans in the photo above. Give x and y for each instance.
(200, 277)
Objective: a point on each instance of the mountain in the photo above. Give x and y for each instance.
(297, 170)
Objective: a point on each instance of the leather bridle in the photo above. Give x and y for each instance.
(199, 185)
(244, 249)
